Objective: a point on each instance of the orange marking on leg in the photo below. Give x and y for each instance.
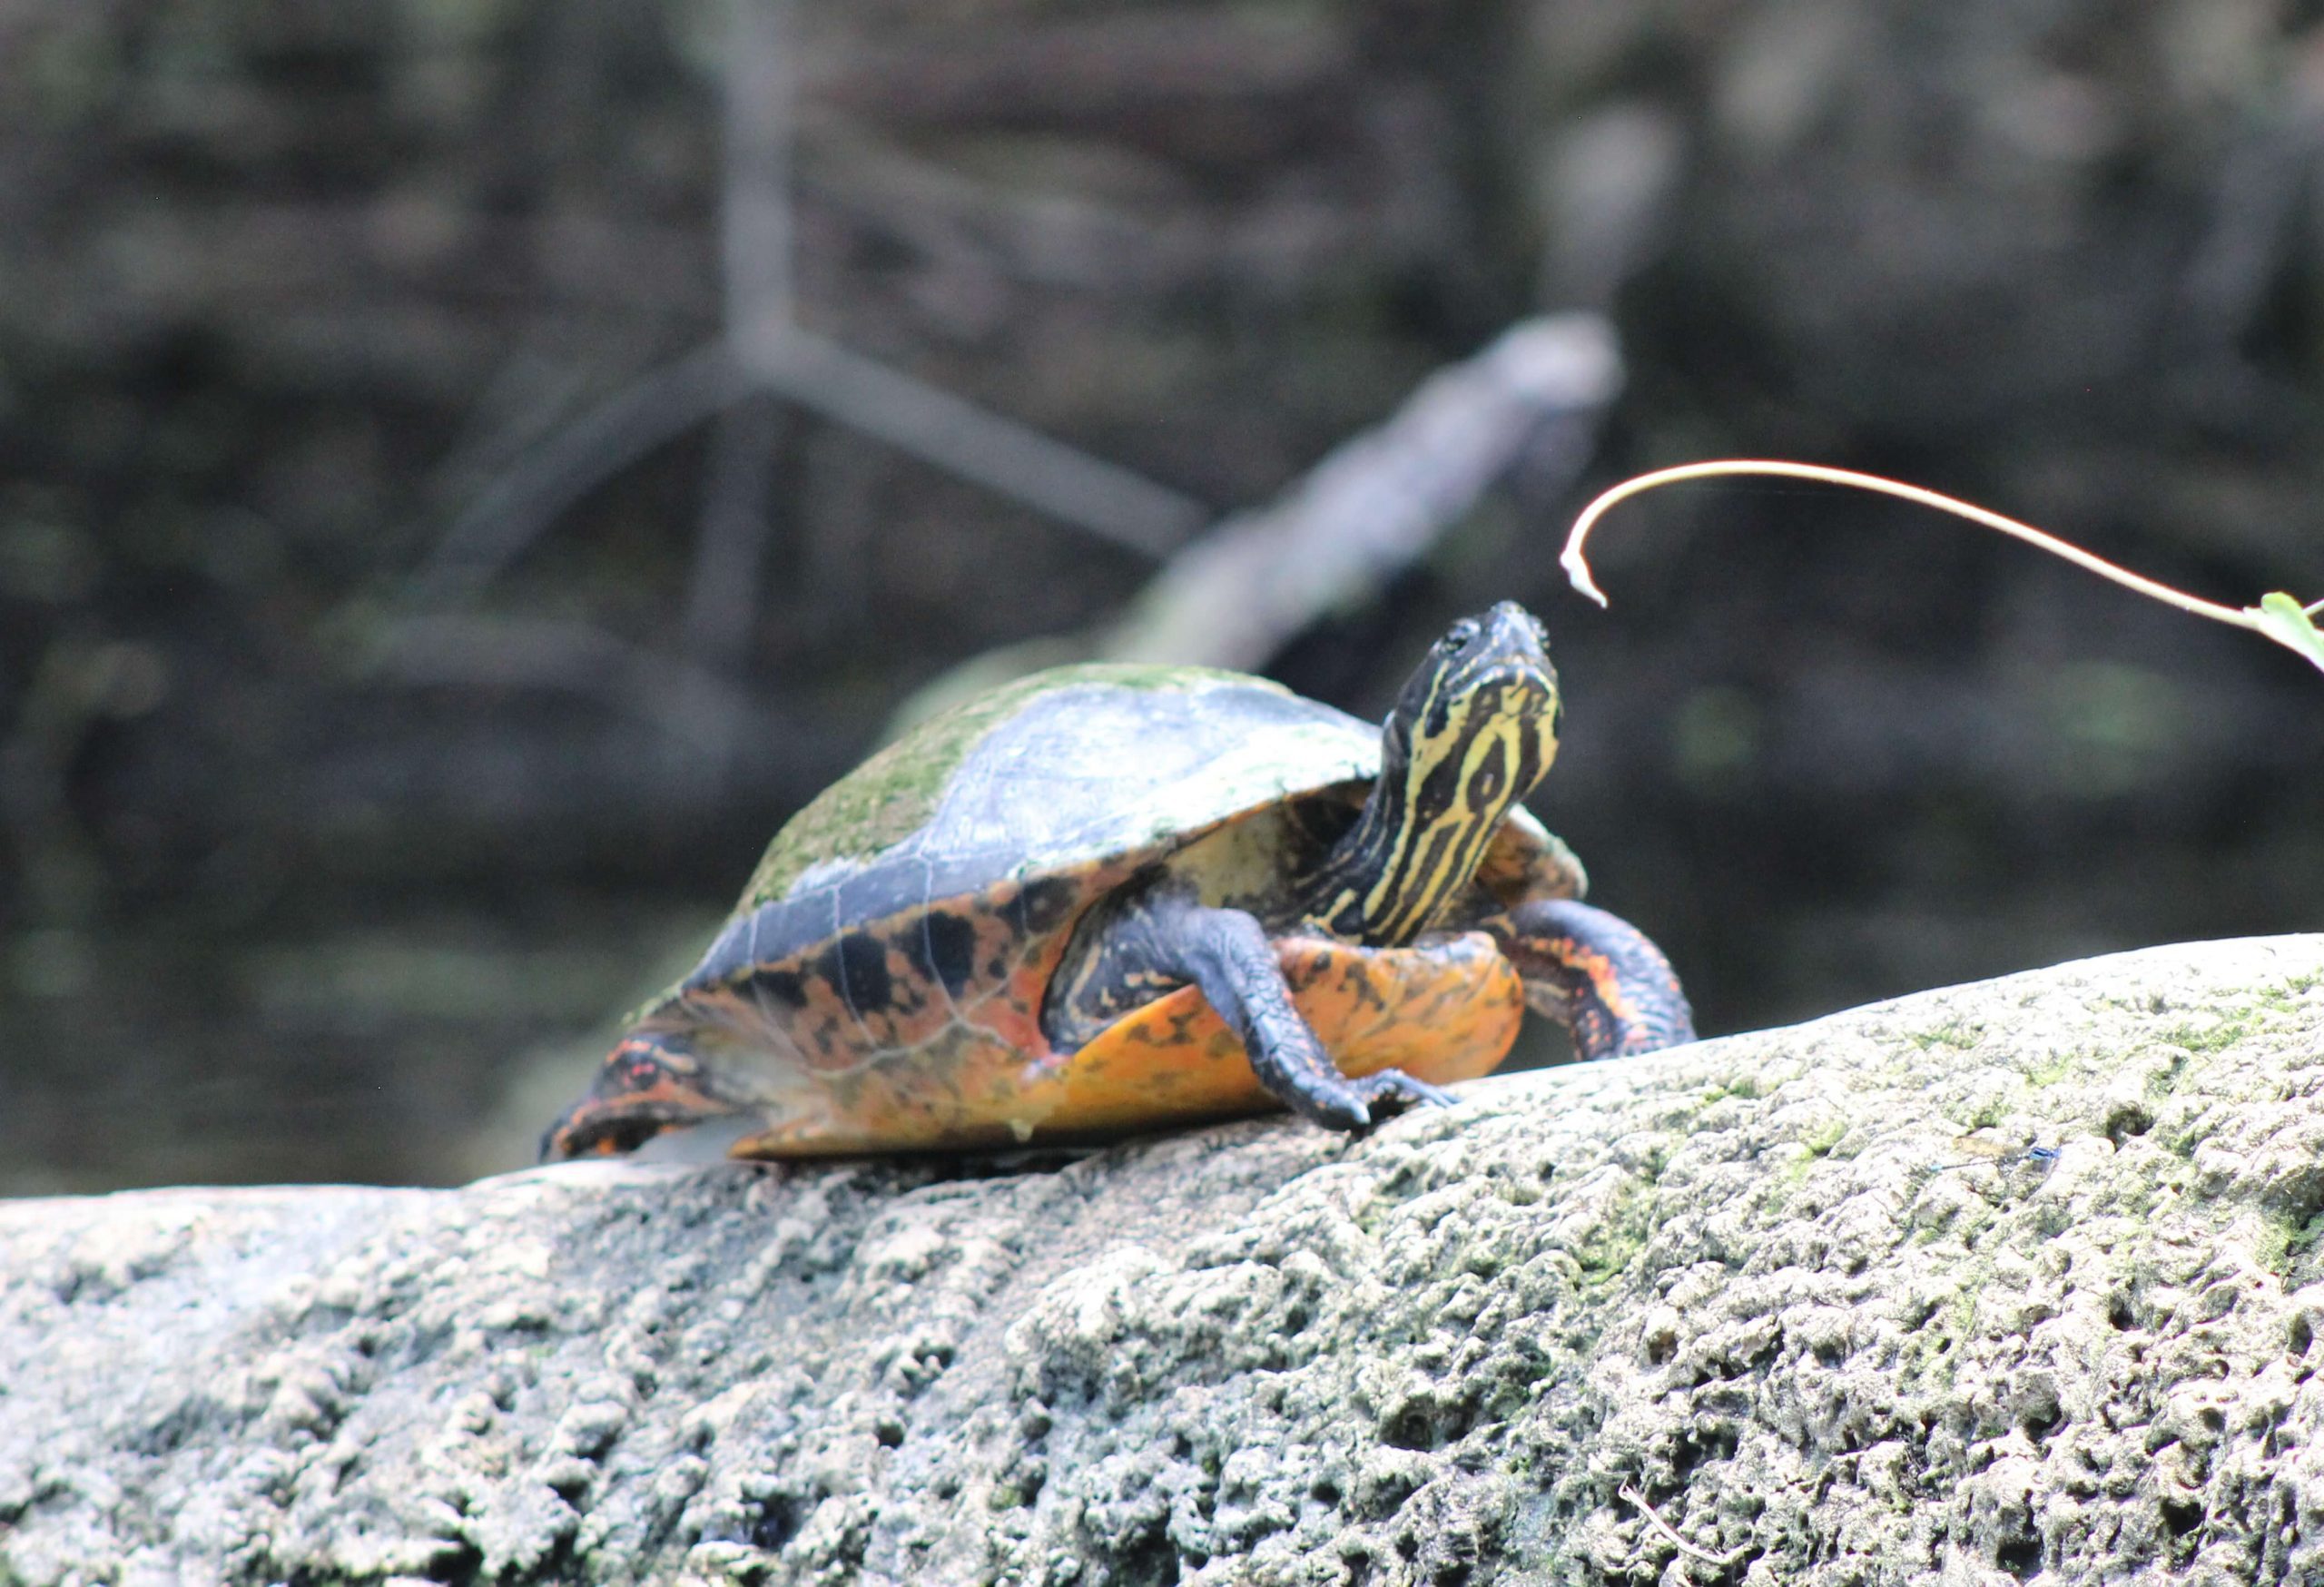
(1604, 978)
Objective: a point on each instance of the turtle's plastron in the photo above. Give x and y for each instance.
(1443, 1010)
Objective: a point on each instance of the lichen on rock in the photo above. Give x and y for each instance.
(1801, 1292)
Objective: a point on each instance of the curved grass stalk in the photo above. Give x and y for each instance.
(2278, 617)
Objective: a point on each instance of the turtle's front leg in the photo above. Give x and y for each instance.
(1160, 941)
(1596, 974)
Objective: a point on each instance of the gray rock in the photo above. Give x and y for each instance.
(1761, 1285)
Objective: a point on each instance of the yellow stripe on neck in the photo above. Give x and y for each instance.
(1431, 860)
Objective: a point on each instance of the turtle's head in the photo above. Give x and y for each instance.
(1471, 734)
(1478, 720)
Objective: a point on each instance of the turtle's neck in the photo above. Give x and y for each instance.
(1416, 843)
(1352, 869)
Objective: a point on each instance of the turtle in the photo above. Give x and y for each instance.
(1109, 898)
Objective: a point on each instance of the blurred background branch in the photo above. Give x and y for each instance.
(762, 350)
(1378, 504)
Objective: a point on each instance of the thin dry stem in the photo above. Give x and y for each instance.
(1671, 1533)
(1578, 569)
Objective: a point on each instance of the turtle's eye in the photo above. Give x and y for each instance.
(1464, 635)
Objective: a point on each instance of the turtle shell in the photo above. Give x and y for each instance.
(891, 951)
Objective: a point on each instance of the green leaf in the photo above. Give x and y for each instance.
(2287, 622)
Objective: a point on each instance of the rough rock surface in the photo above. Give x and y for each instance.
(1761, 1285)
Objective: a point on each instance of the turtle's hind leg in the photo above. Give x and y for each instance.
(1596, 974)
(648, 1084)
(1159, 940)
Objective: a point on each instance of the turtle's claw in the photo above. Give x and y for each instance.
(1399, 1092)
